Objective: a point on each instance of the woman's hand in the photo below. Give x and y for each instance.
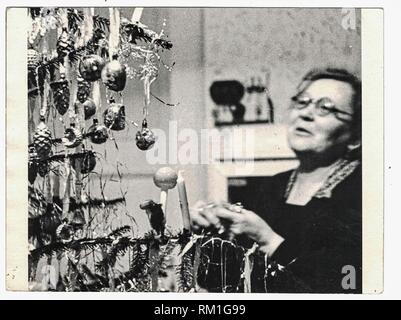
(203, 217)
(241, 221)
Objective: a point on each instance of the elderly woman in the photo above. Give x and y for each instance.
(307, 223)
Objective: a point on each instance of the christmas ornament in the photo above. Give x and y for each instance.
(65, 43)
(114, 75)
(42, 139)
(114, 116)
(43, 168)
(32, 164)
(61, 94)
(97, 132)
(88, 163)
(91, 67)
(65, 232)
(78, 222)
(145, 138)
(33, 59)
(72, 137)
(89, 108)
(50, 220)
(83, 90)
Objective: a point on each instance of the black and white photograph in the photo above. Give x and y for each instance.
(193, 150)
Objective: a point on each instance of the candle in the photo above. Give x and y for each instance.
(182, 194)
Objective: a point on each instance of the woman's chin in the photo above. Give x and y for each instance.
(300, 144)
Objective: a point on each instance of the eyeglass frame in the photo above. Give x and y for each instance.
(332, 110)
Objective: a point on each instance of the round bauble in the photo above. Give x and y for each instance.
(145, 139)
(114, 75)
(98, 133)
(90, 67)
(72, 137)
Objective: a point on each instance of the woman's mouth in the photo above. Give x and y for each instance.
(300, 131)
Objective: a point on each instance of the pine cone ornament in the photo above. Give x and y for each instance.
(114, 116)
(145, 138)
(91, 67)
(33, 59)
(98, 132)
(65, 43)
(42, 140)
(114, 75)
(72, 137)
(61, 95)
(83, 90)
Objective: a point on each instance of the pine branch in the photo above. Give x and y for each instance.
(139, 262)
(184, 272)
(118, 248)
(119, 232)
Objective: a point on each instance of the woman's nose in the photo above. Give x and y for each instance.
(307, 113)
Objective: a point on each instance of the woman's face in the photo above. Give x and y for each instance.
(310, 133)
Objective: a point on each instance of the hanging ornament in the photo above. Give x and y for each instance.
(61, 94)
(90, 67)
(32, 164)
(145, 138)
(89, 108)
(114, 75)
(83, 90)
(33, 59)
(65, 232)
(78, 222)
(43, 168)
(72, 137)
(65, 43)
(50, 220)
(78, 219)
(42, 139)
(114, 116)
(88, 163)
(97, 132)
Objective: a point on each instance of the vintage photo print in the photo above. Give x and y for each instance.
(214, 150)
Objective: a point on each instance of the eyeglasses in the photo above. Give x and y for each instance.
(323, 106)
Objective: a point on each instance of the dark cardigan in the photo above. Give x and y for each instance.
(323, 239)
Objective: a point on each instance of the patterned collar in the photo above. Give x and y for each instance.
(341, 170)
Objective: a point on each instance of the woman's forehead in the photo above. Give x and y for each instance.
(340, 92)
